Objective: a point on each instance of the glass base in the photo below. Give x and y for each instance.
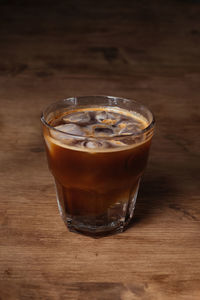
(114, 219)
(96, 231)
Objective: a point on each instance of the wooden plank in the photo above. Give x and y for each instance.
(145, 51)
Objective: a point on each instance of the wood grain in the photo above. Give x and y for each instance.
(142, 50)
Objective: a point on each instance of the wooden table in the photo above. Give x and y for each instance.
(145, 50)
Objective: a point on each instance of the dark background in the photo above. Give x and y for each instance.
(143, 50)
(130, 40)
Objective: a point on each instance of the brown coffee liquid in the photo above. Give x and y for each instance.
(97, 156)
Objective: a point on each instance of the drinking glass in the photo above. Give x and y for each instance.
(97, 189)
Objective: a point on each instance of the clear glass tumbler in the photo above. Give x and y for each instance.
(97, 174)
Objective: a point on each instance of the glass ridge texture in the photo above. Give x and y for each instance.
(97, 173)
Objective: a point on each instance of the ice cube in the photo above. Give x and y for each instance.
(92, 144)
(128, 127)
(101, 116)
(103, 131)
(66, 130)
(109, 118)
(117, 143)
(98, 130)
(77, 118)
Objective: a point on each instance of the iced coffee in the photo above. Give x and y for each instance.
(97, 155)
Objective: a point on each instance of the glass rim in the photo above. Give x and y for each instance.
(142, 131)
